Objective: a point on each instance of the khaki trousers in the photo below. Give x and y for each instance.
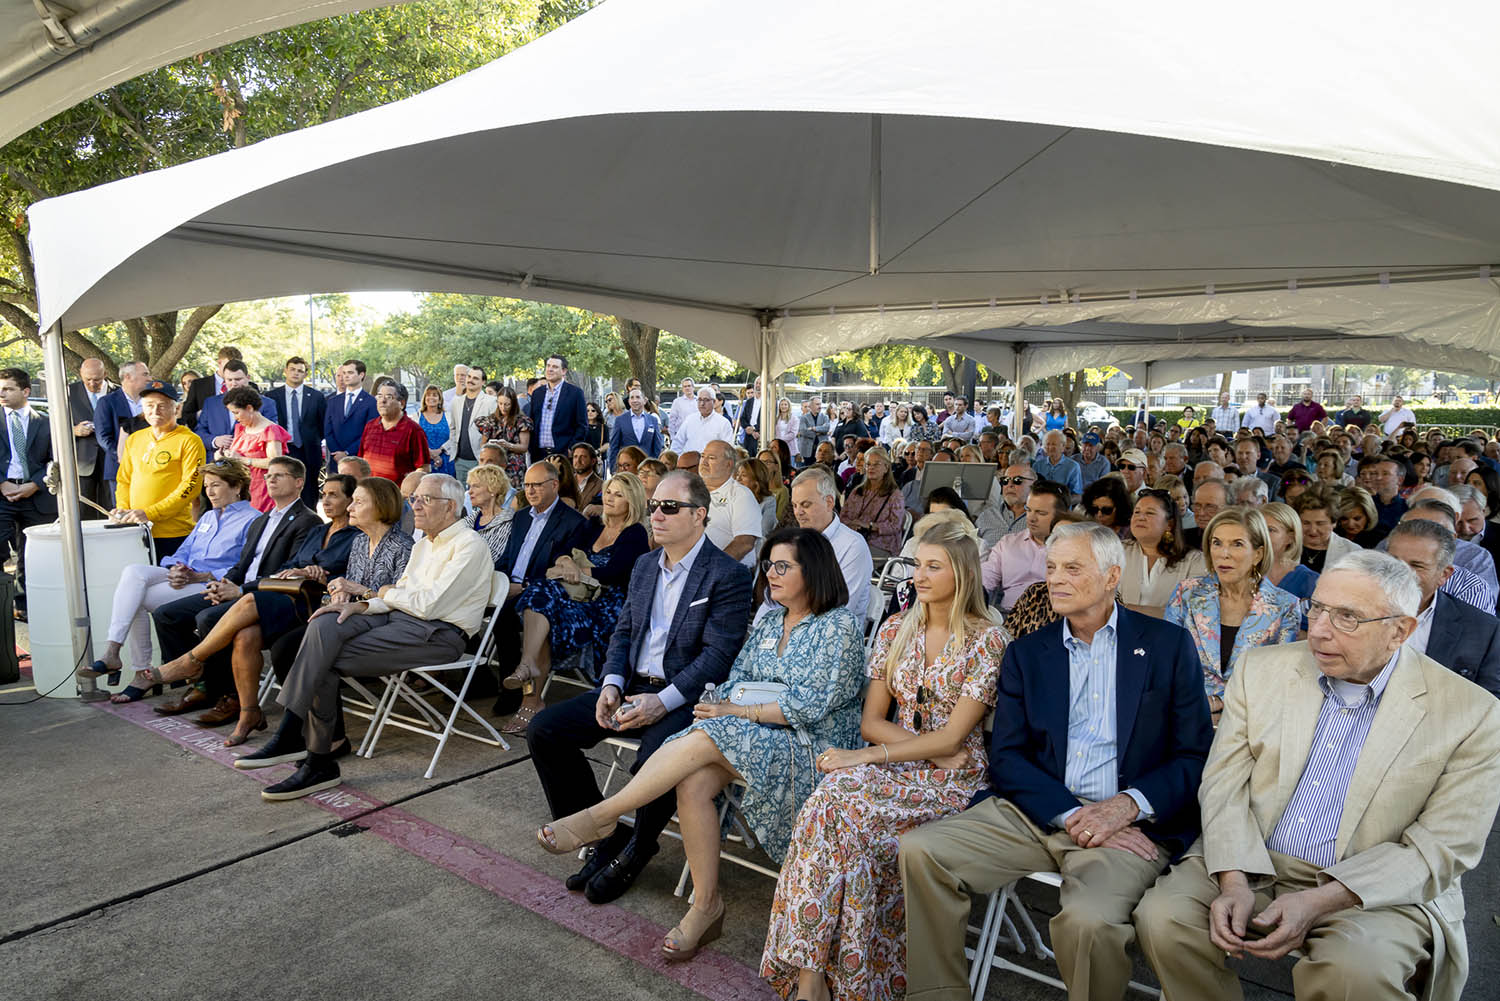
(991, 845)
(1354, 954)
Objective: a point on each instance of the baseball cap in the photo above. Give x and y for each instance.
(1091, 438)
(1134, 456)
(164, 388)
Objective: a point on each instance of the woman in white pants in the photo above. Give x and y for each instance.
(207, 554)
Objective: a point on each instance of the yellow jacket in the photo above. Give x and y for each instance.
(160, 475)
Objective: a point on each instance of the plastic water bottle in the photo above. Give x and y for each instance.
(710, 693)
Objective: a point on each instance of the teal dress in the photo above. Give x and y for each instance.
(437, 434)
(823, 668)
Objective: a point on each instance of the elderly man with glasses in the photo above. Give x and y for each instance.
(1352, 782)
(683, 623)
(426, 617)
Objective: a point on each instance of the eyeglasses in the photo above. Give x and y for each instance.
(419, 500)
(669, 507)
(537, 485)
(780, 567)
(1014, 481)
(1344, 620)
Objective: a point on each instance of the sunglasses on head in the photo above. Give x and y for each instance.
(668, 507)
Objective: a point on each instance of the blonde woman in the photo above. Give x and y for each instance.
(488, 487)
(786, 424)
(554, 624)
(776, 477)
(1284, 527)
(897, 426)
(837, 928)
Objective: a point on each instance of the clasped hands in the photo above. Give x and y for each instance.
(1285, 921)
(630, 712)
(1110, 823)
(220, 591)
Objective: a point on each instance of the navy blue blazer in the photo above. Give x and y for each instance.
(1466, 640)
(113, 423)
(340, 433)
(1163, 728)
(570, 418)
(708, 627)
(565, 531)
(623, 436)
(38, 454)
(214, 419)
(314, 409)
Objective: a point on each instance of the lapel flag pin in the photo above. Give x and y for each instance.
(1140, 651)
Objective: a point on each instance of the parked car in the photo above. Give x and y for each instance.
(1092, 414)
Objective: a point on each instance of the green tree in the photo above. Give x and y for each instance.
(230, 97)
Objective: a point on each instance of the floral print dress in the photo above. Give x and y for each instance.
(490, 429)
(839, 906)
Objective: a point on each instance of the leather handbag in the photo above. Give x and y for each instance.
(306, 593)
(587, 588)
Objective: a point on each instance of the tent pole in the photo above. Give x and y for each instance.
(767, 395)
(875, 180)
(1017, 404)
(312, 346)
(66, 461)
(1146, 400)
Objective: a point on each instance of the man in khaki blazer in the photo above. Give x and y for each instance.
(464, 439)
(1350, 784)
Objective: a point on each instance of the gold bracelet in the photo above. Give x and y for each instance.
(757, 713)
(887, 751)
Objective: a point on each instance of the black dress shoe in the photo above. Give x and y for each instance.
(286, 744)
(620, 874)
(598, 857)
(316, 773)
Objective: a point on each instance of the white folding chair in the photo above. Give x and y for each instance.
(998, 922)
(874, 615)
(429, 722)
(906, 522)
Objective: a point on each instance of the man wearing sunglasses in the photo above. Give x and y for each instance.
(997, 521)
(683, 623)
(1352, 782)
(1133, 467)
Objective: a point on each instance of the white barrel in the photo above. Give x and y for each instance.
(107, 550)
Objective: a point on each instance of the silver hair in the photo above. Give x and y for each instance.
(1054, 433)
(452, 490)
(1108, 550)
(1394, 578)
(1221, 484)
(1440, 535)
(1244, 487)
(1464, 493)
(705, 389)
(820, 478)
(1444, 497)
(1175, 447)
(1021, 456)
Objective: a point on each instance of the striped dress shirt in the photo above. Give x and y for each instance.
(1092, 772)
(1466, 585)
(1309, 825)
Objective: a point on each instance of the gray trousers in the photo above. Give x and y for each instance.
(362, 646)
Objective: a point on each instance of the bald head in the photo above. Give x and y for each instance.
(91, 372)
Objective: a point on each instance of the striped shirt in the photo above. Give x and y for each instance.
(1466, 585)
(1091, 773)
(1309, 826)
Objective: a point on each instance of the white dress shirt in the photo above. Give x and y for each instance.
(1420, 635)
(853, 554)
(1265, 418)
(733, 511)
(16, 471)
(698, 431)
(447, 579)
(275, 516)
(682, 408)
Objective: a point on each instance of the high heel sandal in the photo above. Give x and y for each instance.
(573, 832)
(195, 668)
(523, 677)
(692, 933)
(236, 738)
(133, 693)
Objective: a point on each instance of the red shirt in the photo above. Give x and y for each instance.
(394, 453)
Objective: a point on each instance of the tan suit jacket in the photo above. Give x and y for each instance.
(484, 405)
(1419, 806)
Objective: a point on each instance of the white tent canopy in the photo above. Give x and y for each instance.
(996, 165)
(57, 54)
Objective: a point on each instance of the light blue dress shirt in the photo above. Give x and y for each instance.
(1092, 773)
(215, 543)
(669, 587)
(523, 558)
(1065, 472)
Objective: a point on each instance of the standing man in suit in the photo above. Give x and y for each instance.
(1094, 774)
(747, 421)
(207, 387)
(1351, 783)
(271, 540)
(464, 439)
(635, 427)
(347, 413)
(25, 450)
(559, 415)
(812, 430)
(83, 399)
(215, 424)
(118, 414)
(302, 411)
(1452, 632)
(683, 623)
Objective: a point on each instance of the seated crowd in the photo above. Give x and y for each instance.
(1277, 729)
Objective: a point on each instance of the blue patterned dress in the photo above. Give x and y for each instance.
(576, 624)
(437, 436)
(823, 668)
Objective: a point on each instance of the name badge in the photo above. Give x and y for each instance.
(769, 643)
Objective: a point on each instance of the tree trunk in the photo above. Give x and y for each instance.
(1067, 388)
(948, 363)
(1224, 379)
(640, 347)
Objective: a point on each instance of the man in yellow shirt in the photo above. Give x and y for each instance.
(159, 474)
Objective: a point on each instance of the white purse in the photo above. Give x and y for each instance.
(755, 693)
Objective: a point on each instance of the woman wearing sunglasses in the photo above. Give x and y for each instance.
(837, 926)
(1108, 502)
(808, 641)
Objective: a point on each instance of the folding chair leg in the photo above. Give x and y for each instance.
(460, 706)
